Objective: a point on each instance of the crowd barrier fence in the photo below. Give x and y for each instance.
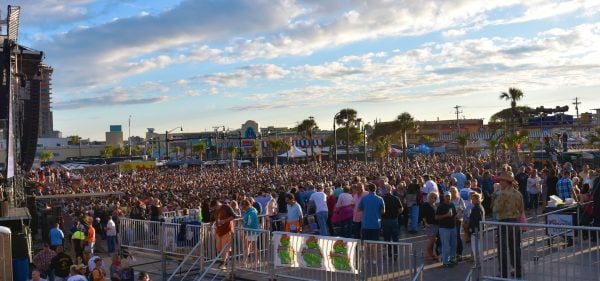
(369, 260)
(537, 252)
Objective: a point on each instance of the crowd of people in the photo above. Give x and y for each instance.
(441, 196)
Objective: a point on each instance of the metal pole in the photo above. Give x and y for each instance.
(163, 257)
(167, 144)
(335, 145)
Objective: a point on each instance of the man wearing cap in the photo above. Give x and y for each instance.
(75, 275)
(508, 207)
(78, 238)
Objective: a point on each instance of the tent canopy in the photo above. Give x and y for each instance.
(421, 148)
(295, 152)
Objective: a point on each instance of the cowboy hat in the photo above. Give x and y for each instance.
(506, 176)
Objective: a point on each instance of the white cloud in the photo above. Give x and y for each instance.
(240, 76)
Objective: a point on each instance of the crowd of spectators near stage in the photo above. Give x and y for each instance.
(442, 197)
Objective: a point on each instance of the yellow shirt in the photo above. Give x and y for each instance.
(508, 204)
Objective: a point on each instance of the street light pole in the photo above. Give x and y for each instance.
(335, 142)
(167, 139)
(365, 140)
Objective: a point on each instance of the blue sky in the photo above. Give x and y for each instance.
(200, 64)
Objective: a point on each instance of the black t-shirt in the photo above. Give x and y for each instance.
(442, 209)
(429, 214)
(392, 207)
(61, 263)
(551, 182)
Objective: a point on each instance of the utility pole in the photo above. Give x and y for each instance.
(458, 111)
(577, 103)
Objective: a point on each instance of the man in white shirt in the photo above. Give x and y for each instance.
(111, 235)
(430, 185)
(319, 199)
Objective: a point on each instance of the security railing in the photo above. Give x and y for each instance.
(545, 252)
(170, 238)
(262, 254)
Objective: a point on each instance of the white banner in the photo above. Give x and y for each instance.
(315, 252)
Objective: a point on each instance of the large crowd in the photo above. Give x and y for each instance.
(441, 196)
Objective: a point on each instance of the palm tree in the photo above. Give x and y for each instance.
(46, 155)
(513, 142)
(255, 151)
(514, 95)
(382, 148)
(346, 117)
(493, 145)
(308, 126)
(404, 123)
(232, 150)
(276, 145)
(463, 140)
(199, 148)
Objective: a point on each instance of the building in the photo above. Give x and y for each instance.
(445, 130)
(114, 137)
(46, 127)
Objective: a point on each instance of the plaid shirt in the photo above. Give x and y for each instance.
(43, 258)
(564, 186)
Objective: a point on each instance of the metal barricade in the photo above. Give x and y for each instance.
(252, 252)
(307, 273)
(170, 238)
(372, 260)
(140, 234)
(391, 260)
(542, 252)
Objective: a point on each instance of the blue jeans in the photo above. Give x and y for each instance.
(322, 222)
(390, 229)
(356, 227)
(391, 232)
(345, 228)
(459, 243)
(448, 239)
(414, 217)
(110, 243)
(533, 201)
